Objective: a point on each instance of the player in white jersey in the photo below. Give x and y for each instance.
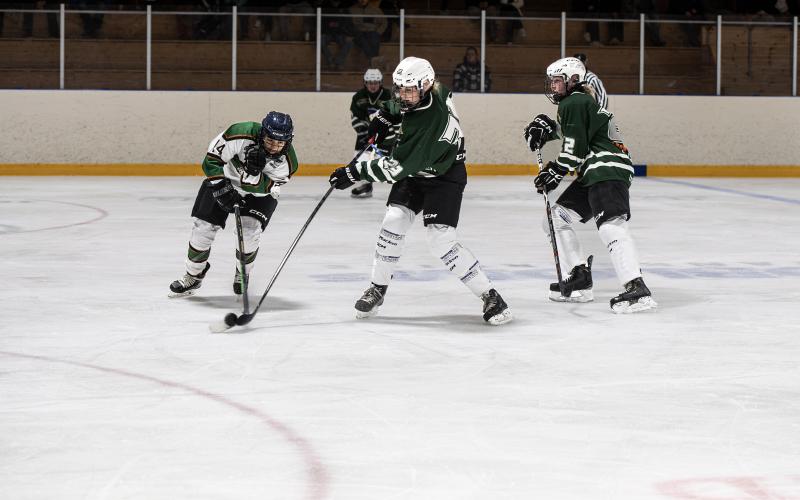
(245, 165)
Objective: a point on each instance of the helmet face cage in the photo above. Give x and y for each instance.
(569, 70)
(415, 73)
(278, 127)
(552, 95)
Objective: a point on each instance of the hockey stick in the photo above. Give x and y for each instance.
(240, 237)
(553, 242)
(231, 319)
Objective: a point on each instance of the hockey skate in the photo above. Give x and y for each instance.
(577, 286)
(495, 309)
(364, 191)
(237, 281)
(635, 298)
(188, 284)
(372, 299)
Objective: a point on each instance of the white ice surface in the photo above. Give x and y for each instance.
(110, 390)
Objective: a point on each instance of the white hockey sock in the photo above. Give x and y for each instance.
(618, 241)
(251, 235)
(391, 238)
(443, 243)
(200, 241)
(570, 253)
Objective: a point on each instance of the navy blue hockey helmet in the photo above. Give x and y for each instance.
(278, 127)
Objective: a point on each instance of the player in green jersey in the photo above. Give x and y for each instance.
(363, 106)
(591, 146)
(246, 165)
(427, 173)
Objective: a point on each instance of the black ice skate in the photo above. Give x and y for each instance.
(237, 281)
(372, 299)
(364, 191)
(577, 286)
(635, 298)
(188, 284)
(495, 309)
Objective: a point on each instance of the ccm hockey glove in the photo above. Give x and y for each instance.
(255, 160)
(224, 193)
(549, 177)
(344, 177)
(539, 131)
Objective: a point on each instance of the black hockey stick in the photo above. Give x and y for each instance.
(240, 237)
(553, 242)
(231, 319)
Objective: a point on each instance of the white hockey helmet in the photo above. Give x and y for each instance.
(570, 70)
(373, 75)
(416, 73)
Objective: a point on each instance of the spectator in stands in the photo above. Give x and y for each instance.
(368, 30)
(390, 8)
(653, 30)
(296, 7)
(52, 20)
(91, 22)
(692, 10)
(467, 76)
(594, 81)
(474, 8)
(589, 8)
(513, 9)
(336, 30)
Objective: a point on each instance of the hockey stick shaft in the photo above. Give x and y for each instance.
(246, 318)
(240, 237)
(553, 242)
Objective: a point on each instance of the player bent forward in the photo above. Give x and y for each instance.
(245, 165)
(427, 173)
(592, 145)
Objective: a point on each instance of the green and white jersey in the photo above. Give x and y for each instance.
(429, 142)
(591, 141)
(226, 156)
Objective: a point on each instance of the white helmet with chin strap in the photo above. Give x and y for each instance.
(571, 70)
(413, 72)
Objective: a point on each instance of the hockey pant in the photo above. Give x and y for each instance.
(203, 234)
(614, 233)
(442, 242)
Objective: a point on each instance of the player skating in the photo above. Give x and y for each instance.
(427, 173)
(363, 106)
(591, 145)
(245, 165)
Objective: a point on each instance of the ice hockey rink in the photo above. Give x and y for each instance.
(111, 390)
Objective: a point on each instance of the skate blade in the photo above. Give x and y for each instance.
(643, 304)
(177, 295)
(575, 296)
(501, 319)
(364, 195)
(367, 314)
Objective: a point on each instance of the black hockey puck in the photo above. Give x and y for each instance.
(230, 319)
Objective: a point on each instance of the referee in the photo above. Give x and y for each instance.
(596, 83)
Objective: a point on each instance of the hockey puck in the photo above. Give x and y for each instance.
(230, 319)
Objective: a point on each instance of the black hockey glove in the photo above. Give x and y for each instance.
(344, 177)
(224, 193)
(539, 131)
(549, 177)
(380, 127)
(255, 159)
